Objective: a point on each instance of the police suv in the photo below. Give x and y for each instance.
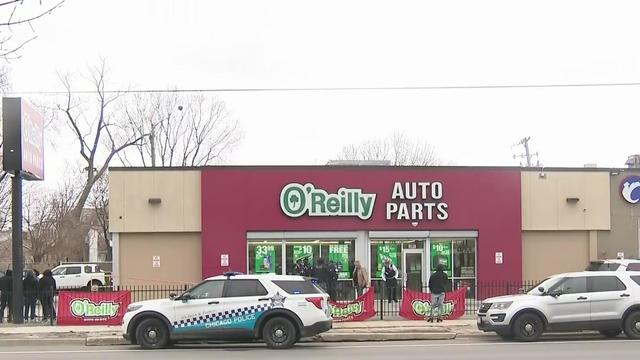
(280, 309)
(606, 301)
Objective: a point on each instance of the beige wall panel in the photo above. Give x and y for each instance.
(571, 215)
(180, 258)
(192, 201)
(179, 210)
(169, 215)
(599, 212)
(540, 197)
(545, 205)
(546, 253)
(138, 188)
(116, 201)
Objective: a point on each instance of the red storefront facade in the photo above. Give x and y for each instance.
(363, 207)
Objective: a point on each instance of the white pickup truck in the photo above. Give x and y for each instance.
(71, 276)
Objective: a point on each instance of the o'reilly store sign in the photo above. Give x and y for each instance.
(414, 201)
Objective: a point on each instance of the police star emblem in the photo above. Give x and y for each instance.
(277, 300)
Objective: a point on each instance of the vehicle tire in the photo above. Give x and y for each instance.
(632, 325)
(93, 283)
(152, 334)
(505, 335)
(528, 327)
(610, 333)
(279, 333)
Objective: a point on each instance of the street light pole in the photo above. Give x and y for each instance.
(17, 252)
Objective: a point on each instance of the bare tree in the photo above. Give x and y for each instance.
(99, 134)
(183, 130)
(398, 149)
(49, 224)
(5, 200)
(17, 30)
(100, 208)
(5, 182)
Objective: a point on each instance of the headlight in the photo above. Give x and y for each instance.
(133, 307)
(501, 305)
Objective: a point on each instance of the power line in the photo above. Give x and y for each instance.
(333, 89)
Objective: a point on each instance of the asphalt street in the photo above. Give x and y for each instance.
(455, 349)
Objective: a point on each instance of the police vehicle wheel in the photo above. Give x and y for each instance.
(528, 327)
(279, 333)
(632, 325)
(152, 334)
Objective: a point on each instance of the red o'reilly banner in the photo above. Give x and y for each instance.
(359, 310)
(417, 305)
(92, 308)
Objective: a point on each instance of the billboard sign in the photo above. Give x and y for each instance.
(23, 138)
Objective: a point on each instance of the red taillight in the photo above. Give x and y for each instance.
(317, 301)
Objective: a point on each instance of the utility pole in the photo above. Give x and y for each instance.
(527, 153)
(525, 142)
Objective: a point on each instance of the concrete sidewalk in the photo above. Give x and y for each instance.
(373, 330)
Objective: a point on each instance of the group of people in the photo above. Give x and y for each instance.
(327, 275)
(438, 283)
(35, 288)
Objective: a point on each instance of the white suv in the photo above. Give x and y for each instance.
(279, 309)
(607, 301)
(614, 265)
(72, 276)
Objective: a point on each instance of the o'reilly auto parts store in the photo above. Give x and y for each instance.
(179, 225)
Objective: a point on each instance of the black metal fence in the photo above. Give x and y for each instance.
(386, 307)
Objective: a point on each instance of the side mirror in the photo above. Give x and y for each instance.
(556, 293)
(541, 289)
(173, 296)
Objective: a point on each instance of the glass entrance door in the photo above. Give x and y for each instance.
(413, 269)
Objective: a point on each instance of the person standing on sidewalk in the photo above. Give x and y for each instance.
(390, 277)
(361, 279)
(6, 289)
(47, 290)
(437, 285)
(321, 273)
(30, 291)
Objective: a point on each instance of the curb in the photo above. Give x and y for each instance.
(105, 341)
(342, 337)
(31, 342)
(405, 330)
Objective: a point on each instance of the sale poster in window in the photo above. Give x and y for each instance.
(441, 254)
(339, 254)
(300, 252)
(265, 259)
(387, 251)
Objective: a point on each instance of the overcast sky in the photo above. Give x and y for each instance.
(276, 44)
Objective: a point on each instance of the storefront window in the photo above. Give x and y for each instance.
(464, 258)
(302, 257)
(381, 250)
(459, 259)
(441, 254)
(342, 254)
(265, 257)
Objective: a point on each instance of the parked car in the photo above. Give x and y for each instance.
(280, 309)
(72, 276)
(607, 301)
(614, 265)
